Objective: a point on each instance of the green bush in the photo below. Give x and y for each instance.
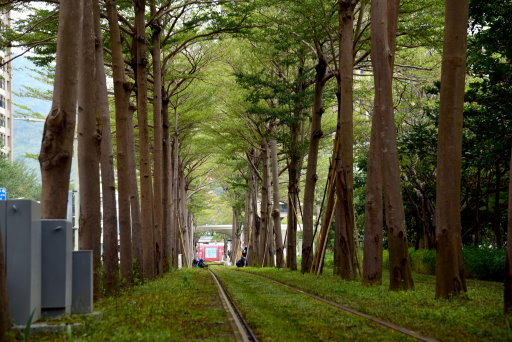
(484, 263)
(479, 263)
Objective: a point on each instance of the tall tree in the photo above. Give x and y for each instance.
(276, 213)
(450, 280)
(321, 79)
(158, 145)
(59, 128)
(345, 164)
(508, 258)
(89, 139)
(146, 191)
(122, 91)
(384, 22)
(108, 188)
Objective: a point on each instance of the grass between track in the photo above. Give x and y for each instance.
(279, 314)
(181, 306)
(476, 319)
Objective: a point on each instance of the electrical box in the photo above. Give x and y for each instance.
(82, 288)
(56, 244)
(23, 259)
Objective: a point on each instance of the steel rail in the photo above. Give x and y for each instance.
(352, 311)
(240, 326)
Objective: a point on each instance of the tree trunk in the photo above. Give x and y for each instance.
(384, 18)
(158, 141)
(122, 91)
(146, 200)
(110, 250)
(266, 205)
(496, 221)
(134, 197)
(344, 166)
(235, 236)
(5, 321)
(293, 193)
(508, 256)
(276, 213)
(373, 219)
(311, 176)
(89, 145)
(175, 236)
(166, 194)
(476, 228)
(450, 279)
(59, 128)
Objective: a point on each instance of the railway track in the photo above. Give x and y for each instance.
(242, 331)
(377, 320)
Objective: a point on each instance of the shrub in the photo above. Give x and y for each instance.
(479, 263)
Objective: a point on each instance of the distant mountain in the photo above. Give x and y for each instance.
(27, 135)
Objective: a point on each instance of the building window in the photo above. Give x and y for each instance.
(2, 101)
(2, 139)
(2, 82)
(2, 120)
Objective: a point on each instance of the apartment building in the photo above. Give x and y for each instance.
(5, 95)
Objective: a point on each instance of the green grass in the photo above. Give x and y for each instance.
(182, 306)
(479, 318)
(279, 314)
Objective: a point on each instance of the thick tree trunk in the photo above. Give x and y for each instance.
(384, 18)
(255, 256)
(134, 196)
(373, 218)
(508, 256)
(450, 279)
(59, 128)
(344, 167)
(89, 145)
(266, 205)
(158, 141)
(122, 91)
(166, 193)
(311, 176)
(496, 220)
(235, 236)
(5, 321)
(293, 194)
(276, 214)
(175, 236)
(110, 243)
(146, 200)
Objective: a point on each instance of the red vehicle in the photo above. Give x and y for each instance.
(210, 251)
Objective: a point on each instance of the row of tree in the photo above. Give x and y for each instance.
(291, 62)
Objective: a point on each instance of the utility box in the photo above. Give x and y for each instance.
(23, 259)
(3, 224)
(82, 288)
(56, 268)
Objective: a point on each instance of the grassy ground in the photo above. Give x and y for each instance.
(182, 306)
(278, 314)
(479, 318)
